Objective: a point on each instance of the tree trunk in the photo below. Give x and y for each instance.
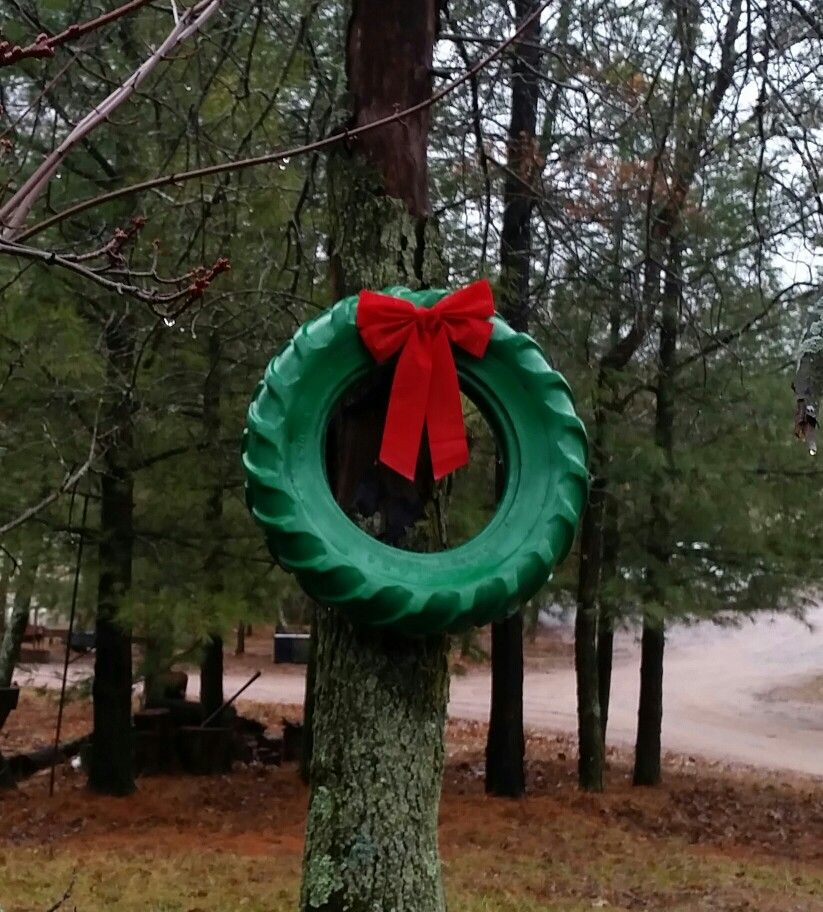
(605, 630)
(506, 742)
(505, 747)
(211, 677)
(6, 567)
(211, 665)
(380, 700)
(590, 761)
(21, 605)
(605, 663)
(111, 760)
(650, 710)
(610, 543)
(371, 840)
(690, 141)
(240, 642)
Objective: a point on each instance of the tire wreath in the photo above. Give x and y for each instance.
(528, 406)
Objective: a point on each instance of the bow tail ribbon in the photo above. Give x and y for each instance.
(425, 392)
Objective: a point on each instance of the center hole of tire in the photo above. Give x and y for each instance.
(422, 516)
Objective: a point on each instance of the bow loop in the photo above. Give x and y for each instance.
(425, 389)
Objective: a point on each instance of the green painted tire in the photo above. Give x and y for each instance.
(528, 406)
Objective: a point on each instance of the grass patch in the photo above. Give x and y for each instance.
(32, 880)
(620, 873)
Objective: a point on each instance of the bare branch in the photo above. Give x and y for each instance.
(15, 211)
(70, 479)
(271, 157)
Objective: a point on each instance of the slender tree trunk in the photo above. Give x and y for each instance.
(380, 700)
(6, 567)
(240, 641)
(21, 606)
(605, 631)
(111, 762)
(610, 535)
(590, 761)
(505, 747)
(211, 665)
(506, 742)
(605, 663)
(211, 676)
(650, 711)
(7, 780)
(308, 702)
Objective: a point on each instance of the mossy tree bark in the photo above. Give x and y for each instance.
(377, 764)
(111, 763)
(379, 699)
(506, 746)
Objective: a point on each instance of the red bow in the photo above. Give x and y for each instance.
(425, 389)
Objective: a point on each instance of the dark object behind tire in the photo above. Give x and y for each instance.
(291, 648)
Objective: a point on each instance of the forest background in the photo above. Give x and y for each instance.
(666, 166)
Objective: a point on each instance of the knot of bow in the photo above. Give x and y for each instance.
(425, 389)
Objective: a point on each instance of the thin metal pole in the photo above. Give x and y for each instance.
(231, 700)
(68, 635)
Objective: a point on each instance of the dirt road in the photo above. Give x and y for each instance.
(719, 693)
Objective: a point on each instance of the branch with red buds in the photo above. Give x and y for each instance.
(113, 275)
(203, 276)
(44, 44)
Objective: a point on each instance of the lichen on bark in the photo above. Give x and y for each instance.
(371, 840)
(376, 241)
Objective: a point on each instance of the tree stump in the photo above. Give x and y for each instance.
(154, 742)
(205, 751)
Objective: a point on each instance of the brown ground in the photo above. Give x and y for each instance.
(260, 810)
(713, 838)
